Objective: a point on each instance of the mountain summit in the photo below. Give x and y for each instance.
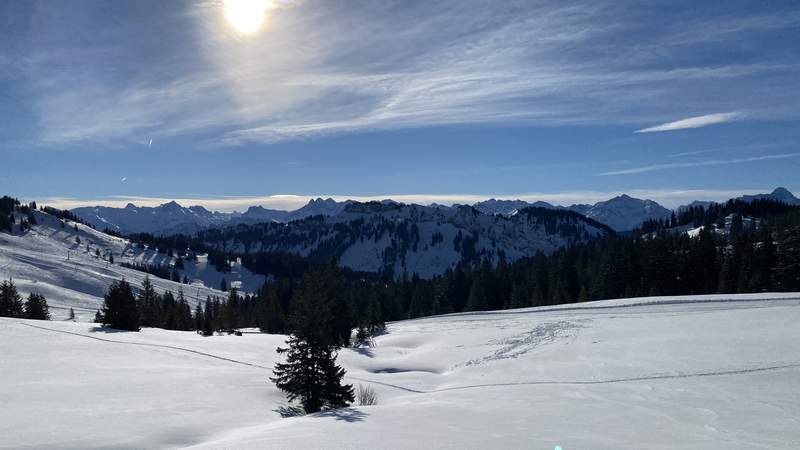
(623, 213)
(780, 194)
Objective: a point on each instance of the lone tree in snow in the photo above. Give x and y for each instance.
(310, 373)
(119, 308)
(36, 307)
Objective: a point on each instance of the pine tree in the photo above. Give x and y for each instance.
(374, 320)
(310, 373)
(199, 317)
(519, 296)
(537, 298)
(476, 301)
(119, 308)
(223, 285)
(36, 307)
(362, 337)
(270, 315)
(167, 317)
(10, 300)
(208, 318)
(788, 269)
(183, 313)
(147, 301)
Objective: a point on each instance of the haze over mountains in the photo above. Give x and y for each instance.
(621, 213)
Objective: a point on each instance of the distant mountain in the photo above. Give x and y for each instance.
(780, 194)
(258, 214)
(172, 218)
(167, 218)
(623, 213)
(397, 239)
(317, 207)
(507, 207)
(695, 204)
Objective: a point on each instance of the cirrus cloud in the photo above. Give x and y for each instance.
(694, 122)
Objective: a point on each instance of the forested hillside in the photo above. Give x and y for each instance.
(725, 256)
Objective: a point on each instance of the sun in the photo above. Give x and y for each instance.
(246, 16)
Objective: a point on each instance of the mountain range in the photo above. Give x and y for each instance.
(172, 218)
(398, 239)
(779, 194)
(621, 213)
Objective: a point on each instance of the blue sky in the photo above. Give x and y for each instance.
(447, 101)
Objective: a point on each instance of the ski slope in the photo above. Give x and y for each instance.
(708, 372)
(48, 259)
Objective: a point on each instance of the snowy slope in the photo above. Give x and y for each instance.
(710, 372)
(48, 259)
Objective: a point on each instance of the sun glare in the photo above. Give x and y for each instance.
(246, 16)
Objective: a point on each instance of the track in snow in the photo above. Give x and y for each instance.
(701, 374)
(146, 344)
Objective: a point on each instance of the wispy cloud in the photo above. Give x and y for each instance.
(310, 73)
(667, 197)
(694, 122)
(712, 162)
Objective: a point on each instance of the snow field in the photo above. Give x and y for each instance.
(692, 372)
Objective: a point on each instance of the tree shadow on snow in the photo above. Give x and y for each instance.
(289, 411)
(107, 330)
(345, 414)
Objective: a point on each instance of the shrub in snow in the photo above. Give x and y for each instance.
(366, 396)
